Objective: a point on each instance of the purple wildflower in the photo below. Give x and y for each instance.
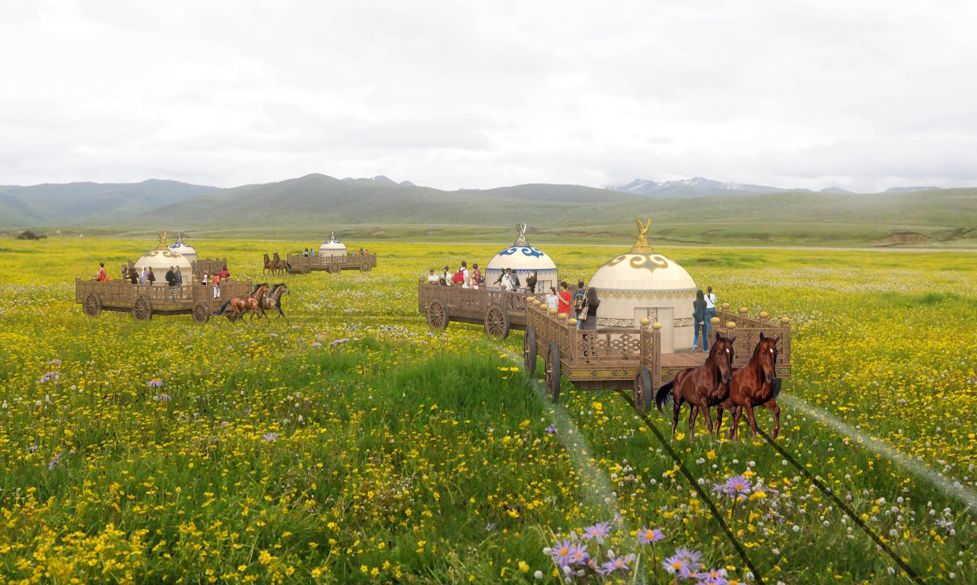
(49, 377)
(54, 460)
(713, 577)
(551, 430)
(155, 383)
(685, 563)
(597, 532)
(269, 437)
(579, 555)
(561, 553)
(616, 564)
(737, 487)
(650, 535)
(164, 397)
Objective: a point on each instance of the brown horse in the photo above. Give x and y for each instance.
(702, 387)
(241, 305)
(269, 265)
(273, 298)
(756, 384)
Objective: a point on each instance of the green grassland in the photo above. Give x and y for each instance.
(349, 444)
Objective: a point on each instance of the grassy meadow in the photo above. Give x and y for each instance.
(349, 444)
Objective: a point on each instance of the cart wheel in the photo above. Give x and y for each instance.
(437, 316)
(365, 267)
(553, 372)
(142, 309)
(201, 312)
(642, 391)
(93, 305)
(497, 322)
(332, 269)
(529, 351)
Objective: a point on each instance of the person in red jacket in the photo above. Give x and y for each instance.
(563, 305)
(102, 275)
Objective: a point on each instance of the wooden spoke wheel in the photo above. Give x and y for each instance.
(642, 391)
(529, 351)
(201, 312)
(332, 268)
(553, 372)
(497, 322)
(92, 305)
(142, 309)
(437, 316)
(365, 268)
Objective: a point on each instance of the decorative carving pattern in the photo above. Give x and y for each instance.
(650, 262)
(529, 251)
(683, 322)
(647, 294)
(609, 322)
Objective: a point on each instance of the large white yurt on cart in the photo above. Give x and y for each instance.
(642, 283)
(183, 248)
(162, 259)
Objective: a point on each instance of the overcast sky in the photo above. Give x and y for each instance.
(859, 94)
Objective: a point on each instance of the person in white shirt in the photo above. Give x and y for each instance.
(710, 303)
(432, 278)
(552, 298)
(446, 277)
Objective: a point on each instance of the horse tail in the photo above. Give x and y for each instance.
(661, 397)
(220, 310)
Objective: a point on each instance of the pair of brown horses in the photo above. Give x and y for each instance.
(717, 383)
(276, 265)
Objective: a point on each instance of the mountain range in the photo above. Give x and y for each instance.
(692, 211)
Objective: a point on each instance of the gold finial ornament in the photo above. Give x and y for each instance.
(161, 234)
(521, 234)
(656, 325)
(641, 244)
(644, 321)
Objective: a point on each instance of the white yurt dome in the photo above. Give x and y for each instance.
(332, 247)
(185, 249)
(642, 283)
(161, 260)
(524, 260)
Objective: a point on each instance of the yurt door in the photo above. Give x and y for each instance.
(663, 315)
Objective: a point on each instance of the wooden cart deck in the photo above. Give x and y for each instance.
(300, 264)
(498, 311)
(144, 300)
(621, 358)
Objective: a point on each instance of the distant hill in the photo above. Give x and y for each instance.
(695, 187)
(89, 203)
(313, 205)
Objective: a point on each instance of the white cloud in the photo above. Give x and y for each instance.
(863, 95)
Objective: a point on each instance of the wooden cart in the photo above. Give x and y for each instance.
(300, 264)
(144, 300)
(631, 358)
(498, 311)
(209, 265)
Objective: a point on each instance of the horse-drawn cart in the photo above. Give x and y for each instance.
(498, 311)
(631, 358)
(302, 264)
(144, 301)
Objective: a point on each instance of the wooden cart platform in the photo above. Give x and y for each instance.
(144, 300)
(621, 358)
(300, 264)
(498, 311)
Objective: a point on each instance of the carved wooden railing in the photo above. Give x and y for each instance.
(747, 331)
(469, 301)
(123, 293)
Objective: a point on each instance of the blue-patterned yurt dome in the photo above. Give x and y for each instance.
(524, 259)
(184, 249)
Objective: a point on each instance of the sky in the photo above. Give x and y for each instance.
(861, 95)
